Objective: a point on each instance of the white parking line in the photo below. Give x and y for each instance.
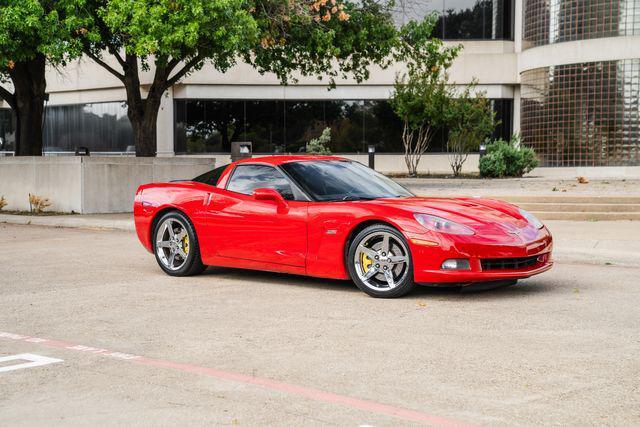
(33, 361)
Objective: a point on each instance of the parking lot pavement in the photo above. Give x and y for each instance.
(249, 348)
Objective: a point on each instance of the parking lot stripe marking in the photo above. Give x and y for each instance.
(33, 360)
(310, 393)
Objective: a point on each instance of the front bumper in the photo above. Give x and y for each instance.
(427, 260)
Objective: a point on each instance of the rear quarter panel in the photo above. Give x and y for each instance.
(152, 199)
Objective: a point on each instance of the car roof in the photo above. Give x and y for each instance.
(279, 160)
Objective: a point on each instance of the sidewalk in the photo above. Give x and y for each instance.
(513, 187)
(575, 242)
(123, 221)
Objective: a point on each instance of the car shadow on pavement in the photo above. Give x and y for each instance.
(522, 288)
(284, 279)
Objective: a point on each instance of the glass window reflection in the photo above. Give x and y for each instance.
(7, 131)
(583, 114)
(557, 21)
(101, 127)
(274, 126)
(461, 19)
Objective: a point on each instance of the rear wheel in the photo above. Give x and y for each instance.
(176, 246)
(379, 262)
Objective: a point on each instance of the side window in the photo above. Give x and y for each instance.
(247, 178)
(210, 177)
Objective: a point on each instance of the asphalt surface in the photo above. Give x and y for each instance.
(236, 347)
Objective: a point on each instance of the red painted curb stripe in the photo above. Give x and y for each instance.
(310, 393)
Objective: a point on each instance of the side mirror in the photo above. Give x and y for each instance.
(269, 194)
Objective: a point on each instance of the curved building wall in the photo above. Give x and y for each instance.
(580, 81)
(555, 21)
(584, 114)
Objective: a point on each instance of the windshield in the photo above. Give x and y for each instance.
(334, 180)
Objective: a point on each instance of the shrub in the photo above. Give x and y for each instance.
(38, 204)
(319, 145)
(507, 159)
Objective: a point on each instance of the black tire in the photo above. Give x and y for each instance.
(403, 286)
(193, 264)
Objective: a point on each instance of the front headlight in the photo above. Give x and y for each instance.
(441, 225)
(531, 219)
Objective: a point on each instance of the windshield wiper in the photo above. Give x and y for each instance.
(351, 198)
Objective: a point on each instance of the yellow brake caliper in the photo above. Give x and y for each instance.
(365, 262)
(185, 244)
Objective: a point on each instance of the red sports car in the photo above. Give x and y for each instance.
(334, 218)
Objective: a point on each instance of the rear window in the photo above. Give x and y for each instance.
(211, 177)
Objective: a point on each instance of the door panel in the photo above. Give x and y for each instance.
(244, 228)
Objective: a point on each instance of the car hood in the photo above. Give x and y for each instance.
(491, 219)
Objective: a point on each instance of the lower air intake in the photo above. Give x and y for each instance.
(508, 263)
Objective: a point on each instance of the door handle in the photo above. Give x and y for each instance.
(207, 199)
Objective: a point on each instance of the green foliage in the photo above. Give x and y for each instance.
(421, 95)
(470, 120)
(319, 145)
(171, 30)
(507, 159)
(38, 27)
(334, 38)
(323, 38)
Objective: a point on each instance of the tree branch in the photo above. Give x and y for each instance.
(184, 71)
(113, 51)
(104, 65)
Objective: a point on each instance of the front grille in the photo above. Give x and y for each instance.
(508, 263)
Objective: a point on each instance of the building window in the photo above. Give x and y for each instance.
(7, 131)
(583, 114)
(101, 127)
(209, 126)
(547, 22)
(461, 19)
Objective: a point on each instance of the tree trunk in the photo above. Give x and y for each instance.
(144, 134)
(142, 113)
(30, 87)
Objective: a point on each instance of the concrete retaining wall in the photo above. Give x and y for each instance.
(89, 184)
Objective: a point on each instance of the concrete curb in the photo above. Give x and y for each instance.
(72, 221)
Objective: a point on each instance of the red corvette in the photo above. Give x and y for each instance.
(334, 218)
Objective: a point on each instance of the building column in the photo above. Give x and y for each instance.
(516, 109)
(164, 136)
(517, 25)
(517, 37)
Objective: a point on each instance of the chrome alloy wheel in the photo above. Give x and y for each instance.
(381, 261)
(172, 243)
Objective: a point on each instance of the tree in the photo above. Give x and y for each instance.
(172, 38)
(319, 145)
(470, 119)
(421, 94)
(32, 34)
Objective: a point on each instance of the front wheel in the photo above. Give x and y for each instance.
(176, 246)
(379, 262)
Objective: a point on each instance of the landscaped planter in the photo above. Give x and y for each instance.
(89, 184)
